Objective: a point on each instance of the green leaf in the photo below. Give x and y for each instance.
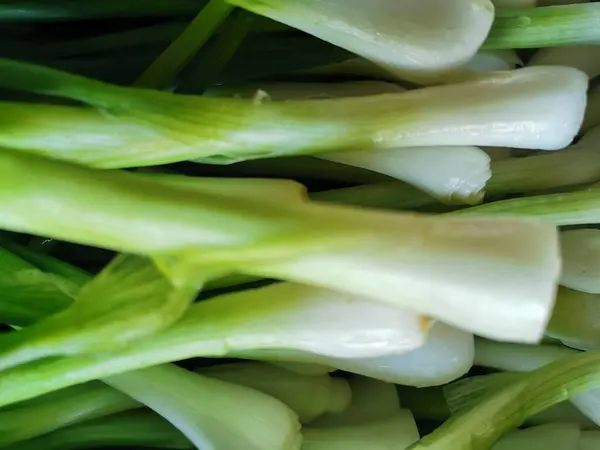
(47, 263)
(520, 358)
(213, 413)
(447, 355)
(282, 316)
(399, 36)
(128, 300)
(28, 294)
(137, 127)
(578, 207)
(458, 176)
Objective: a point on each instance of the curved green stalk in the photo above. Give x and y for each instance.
(506, 408)
(545, 27)
(183, 49)
(136, 127)
(194, 228)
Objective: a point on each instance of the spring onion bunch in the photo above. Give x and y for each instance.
(192, 230)
(188, 258)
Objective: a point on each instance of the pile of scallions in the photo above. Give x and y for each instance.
(300, 224)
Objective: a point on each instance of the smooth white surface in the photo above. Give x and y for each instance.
(402, 36)
(452, 174)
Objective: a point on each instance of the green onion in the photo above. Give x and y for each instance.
(458, 176)
(28, 294)
(570, 208)
(508, 406)
(467, 392)
(516, 357)
(136, 127)
(283, 316)
(128, 300)
(545, 27)
(199, 228)
(213, 413)
(403, 37)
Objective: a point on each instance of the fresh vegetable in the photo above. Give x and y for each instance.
(213, 413)
(509, 404)
(136, 127)
(447, 355)
(285, 237)
(520, 358)
(403, 37)
(188, 258)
